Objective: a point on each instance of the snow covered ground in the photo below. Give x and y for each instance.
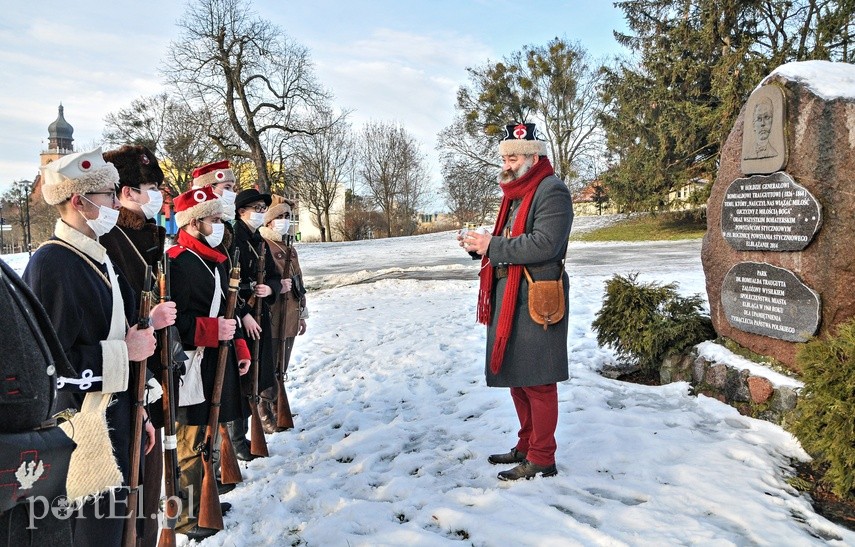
(394, 423)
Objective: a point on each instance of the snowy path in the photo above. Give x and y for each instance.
(394, 424)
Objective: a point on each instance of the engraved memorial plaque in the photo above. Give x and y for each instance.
(763, 299)
(769, 213)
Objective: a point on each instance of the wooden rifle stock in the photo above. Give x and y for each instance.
(258, 444)
(170, 442)
(130, 537)
(210, 513)
(284, 420)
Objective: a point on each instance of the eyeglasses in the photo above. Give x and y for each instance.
(111, 194)
(259, 208)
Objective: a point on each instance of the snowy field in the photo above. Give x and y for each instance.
(394, 423)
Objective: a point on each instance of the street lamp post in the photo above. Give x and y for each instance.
(29, 238)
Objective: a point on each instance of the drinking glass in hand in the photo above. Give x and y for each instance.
(462, 234)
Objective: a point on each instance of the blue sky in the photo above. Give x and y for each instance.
(385, 60)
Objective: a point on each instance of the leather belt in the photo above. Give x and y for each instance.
(501, 272)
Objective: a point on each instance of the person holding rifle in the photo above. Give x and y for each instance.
(199, 285)
(90, 304)
(289, 314)
(251, 206)
(135, 243)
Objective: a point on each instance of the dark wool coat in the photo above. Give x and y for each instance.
(192, 281)
(244, 239)
(534, 356)
(132, 245)
(80, 306)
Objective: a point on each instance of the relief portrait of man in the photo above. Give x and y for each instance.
(764, 145)
(762, 119)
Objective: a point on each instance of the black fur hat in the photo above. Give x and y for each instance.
(136, 165)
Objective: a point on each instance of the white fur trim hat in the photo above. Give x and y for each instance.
(520, 139)
(213, 173)
(196, 203)
(77, 174)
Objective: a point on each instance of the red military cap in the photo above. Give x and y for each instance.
(196, 203)
(212, 173)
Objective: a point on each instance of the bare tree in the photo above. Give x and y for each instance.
(359, 220)
(469, 172)
(322, 159)
(168, 127)
(247, 72)
(392, 168)
(34, 220)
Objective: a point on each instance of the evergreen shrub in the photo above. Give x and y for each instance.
(647, 322)
(825, 421)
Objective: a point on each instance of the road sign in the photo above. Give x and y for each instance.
(6, 227)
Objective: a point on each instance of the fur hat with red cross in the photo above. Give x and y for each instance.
(196, 203)
(520, 140)
(213, 173)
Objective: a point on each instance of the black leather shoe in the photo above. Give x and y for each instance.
(514, 456)
(243, 454)
(224, 488)
(527, 470)
(225, 507)
(198, 533)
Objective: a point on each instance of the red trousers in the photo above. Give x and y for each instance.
(537, 410)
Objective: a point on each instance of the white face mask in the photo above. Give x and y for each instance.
(281, 225)
(255, 221)
(229, 212)
(107, 218)
(228, 199)
(216, 236)
(152, 207)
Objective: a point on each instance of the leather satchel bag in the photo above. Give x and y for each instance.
(545, 300)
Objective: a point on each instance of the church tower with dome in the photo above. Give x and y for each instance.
(60, 139)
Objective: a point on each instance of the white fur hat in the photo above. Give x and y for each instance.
(77, 173)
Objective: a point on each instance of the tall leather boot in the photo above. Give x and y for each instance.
(267, 410)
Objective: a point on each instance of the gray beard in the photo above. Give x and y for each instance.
(508, 175)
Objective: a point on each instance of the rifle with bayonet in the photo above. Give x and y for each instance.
(258, 444)
(130, 537)
(210, 512)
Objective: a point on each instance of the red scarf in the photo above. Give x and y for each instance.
(186, 241)
(521, 188)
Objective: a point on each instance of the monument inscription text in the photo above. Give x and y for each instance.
(763, 299)
(769, 213)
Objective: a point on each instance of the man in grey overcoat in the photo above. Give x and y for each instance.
(531, 232)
